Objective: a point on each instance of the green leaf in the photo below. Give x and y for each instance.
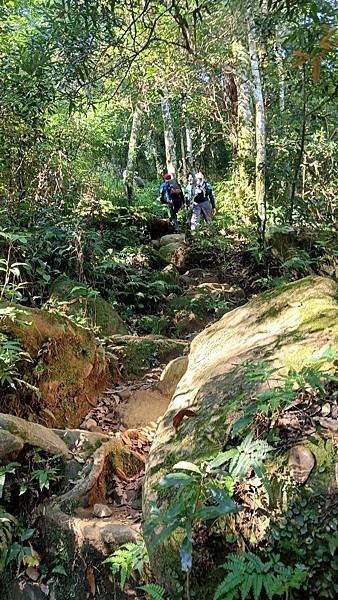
(173, 479)
(59, 569)
(164, 534)
(257, 585)
(220, 459)
(186, 553)
(26, 534)
(187, 466)
(156, 592)
(240, 424)
(246, 587)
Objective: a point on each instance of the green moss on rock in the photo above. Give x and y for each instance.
(78, 300)
(137, 354)
(284, 328)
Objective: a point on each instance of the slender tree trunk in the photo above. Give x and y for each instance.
(183, 155)
(300, 153)
(281, 75)
(154, 153)
(190, 162)
(128, 175)
(260, 132)
(230, 89)
(190, 151)
(243, 136)
(245, 119)
(169, 138)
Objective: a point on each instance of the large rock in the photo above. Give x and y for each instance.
(284, 327)
(173, 249)
(67, 368)
(174, 238)
(170, 275)
(172, 374)
(72, 298)
(137, 354)
(171, 252)
(10, 446)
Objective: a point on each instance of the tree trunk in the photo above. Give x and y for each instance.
(230, 92)
(128, 175)
(260, 132)
(281, 75)
(300, 153)
(190, 152)
(183, 155)
(243, 126)
(154, 153)
(190, 162)
(169, 139)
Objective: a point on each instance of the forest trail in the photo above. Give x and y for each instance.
(132, 408)
(173, 392)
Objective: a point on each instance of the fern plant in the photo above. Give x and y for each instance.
(127, 559)
(248, 576)
(154, 591)
(7, 523)
(314, 375)
(203, 493)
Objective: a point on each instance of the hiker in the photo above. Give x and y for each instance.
(139, 181)
(203, 201)
(171, 194)
(188, 190)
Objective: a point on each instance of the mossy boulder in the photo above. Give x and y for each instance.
(71, 298)
(67, 368)
(283, 329)
(135, 355)
(170, 252)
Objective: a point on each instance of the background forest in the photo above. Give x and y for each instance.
(93, 92)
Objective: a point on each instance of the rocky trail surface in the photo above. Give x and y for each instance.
(135, 426)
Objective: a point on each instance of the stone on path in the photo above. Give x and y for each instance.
(102, 511)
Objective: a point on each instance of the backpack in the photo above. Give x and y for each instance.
(200, 193)
(174, 188)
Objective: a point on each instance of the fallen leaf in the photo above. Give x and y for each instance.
(301, 463)
(32, 573)
(91, 580)
(125, 437)
(49, 412)
(121, 474)
(178, 418)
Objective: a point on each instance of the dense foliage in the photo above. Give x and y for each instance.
(93, 92)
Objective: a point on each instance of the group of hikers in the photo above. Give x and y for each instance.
(197, 195)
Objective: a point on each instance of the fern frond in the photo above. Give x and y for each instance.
(155, 591)
(228, 585)
(250, 452)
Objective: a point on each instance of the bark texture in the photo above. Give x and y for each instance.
(128, 175)
(260, 130)
(169, 138)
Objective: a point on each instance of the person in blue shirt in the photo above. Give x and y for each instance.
(201, 198)
(171, 194)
